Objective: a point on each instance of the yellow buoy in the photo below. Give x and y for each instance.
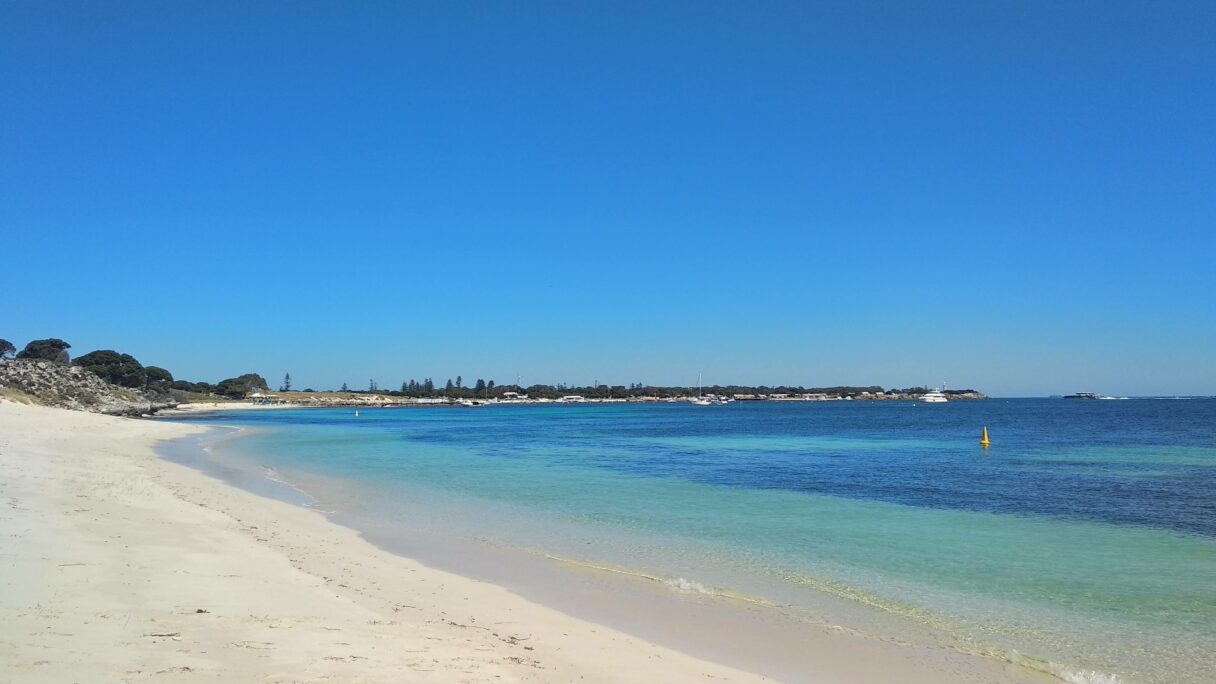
(984, 439)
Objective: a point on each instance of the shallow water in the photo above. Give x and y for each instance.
(1085, 536)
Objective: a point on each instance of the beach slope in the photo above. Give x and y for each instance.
(119, 566)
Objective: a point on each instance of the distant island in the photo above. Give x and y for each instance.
(107, 381)
(488, 391)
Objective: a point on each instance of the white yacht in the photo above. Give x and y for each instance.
(934, 397)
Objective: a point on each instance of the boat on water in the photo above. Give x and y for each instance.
(934, 396)
(1082, 395)
(699, 400)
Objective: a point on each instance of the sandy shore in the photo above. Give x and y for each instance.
(118, 565)
(187, 409)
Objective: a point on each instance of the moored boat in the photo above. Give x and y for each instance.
(934, 397)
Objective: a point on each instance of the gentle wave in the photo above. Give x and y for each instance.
(273, 475)
(689, 586)
(676, 583)
(1089, 677)
(962, 643)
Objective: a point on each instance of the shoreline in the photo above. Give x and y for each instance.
(122, 565)
(737, 630)
(287, 591)
(373, 401)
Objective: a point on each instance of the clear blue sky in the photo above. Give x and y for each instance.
(1018, 197)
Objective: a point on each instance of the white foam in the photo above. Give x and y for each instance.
(1088, 677)
(681, 584)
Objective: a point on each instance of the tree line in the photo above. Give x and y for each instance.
(125, 370)
(488, 389)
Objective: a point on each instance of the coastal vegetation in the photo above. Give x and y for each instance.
(120, 369)
(239, 387)
(487, 389)
(50, 383)
(158, 385)
(152, 385)
(51, 349)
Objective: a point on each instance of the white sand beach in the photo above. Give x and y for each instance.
(117, 565)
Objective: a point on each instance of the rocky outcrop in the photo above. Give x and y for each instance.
(72, 387)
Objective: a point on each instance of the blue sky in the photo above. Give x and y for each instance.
(1017, 197)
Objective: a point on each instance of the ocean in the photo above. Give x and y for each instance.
(1082, 543)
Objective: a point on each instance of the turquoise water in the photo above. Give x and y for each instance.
(1083, 540)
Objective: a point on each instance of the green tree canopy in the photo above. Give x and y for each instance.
(238, 387)
(51, 349)
(187, 386)
(157, 379)
(6, 349)
(117, 369)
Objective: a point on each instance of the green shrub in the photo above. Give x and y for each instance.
(117, 369)
(51, 349)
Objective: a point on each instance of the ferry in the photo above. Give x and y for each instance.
(1082, 395)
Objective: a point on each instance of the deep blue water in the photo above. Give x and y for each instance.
(1142, 462)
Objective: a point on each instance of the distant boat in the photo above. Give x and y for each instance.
(699, 401)
(934, 397)
(1081, 395)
